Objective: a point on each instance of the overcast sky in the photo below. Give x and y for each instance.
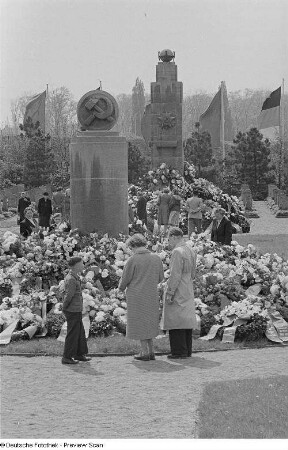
(76, 43)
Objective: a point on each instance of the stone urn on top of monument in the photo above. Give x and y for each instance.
(99, 168)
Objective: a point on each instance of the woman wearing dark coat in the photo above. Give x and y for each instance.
(141, 208)
(44, 210)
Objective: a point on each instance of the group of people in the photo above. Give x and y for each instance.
(169, 206)
(47, 215)
(141, 276)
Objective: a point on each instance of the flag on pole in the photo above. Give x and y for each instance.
(35, 110)
(269, 117)
(211, 119)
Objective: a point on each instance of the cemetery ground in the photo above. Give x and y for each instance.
(214, 394)
(120, 398)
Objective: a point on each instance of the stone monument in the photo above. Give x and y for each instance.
(99, 168)
(162, 121)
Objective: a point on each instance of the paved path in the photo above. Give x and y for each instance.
(9, 224)
(117, 397)
(267, 222)
(267, 233)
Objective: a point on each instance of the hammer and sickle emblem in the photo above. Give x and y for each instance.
(95, 105)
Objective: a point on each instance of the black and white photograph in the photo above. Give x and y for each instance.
(143, 224)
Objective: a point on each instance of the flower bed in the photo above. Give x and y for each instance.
(232, 283)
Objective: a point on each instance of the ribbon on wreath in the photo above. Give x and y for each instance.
(86, 324)
(5, 336)
(276, 331)
(277, 328)
(229, 332)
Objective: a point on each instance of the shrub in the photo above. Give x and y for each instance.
(54, 324)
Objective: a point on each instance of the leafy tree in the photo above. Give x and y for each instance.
(198, 149)
(39, 163)
(252, 157)
(138, 106)
(137, 163)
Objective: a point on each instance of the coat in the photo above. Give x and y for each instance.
(180, 315)
(73, 300)
(141, 275)
(141, 209)
(23, 203)
(27, 227)
(222, 233)
(163, 208)
(194, 207)
(45, 211)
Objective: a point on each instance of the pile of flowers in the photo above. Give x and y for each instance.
(230, 281)
(165, 176)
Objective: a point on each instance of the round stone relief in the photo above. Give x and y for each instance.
(97, 110)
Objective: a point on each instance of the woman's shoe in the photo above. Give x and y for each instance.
(142, 357)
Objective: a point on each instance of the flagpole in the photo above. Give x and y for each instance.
(46, 108)
(222, 124)
(282, 131)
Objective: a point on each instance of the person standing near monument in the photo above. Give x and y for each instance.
(194, 206)
(23, 203)
(221, 230)
(58, 201)
(75, 347)
(141, 208)
(178, 315)
(174, 208)
(141, 276)
(44, 210)
(163, 209)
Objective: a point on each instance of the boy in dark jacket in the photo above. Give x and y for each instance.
(75, 348)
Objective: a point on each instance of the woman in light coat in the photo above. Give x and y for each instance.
(141, 275)
(179, 308)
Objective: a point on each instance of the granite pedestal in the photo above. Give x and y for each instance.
(99, 180)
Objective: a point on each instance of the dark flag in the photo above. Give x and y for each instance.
(211, 119)
(270, 113)
(35, 110)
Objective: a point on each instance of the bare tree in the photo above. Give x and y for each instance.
(61, 112)
(125, 114)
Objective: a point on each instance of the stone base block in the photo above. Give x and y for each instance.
(99, 181)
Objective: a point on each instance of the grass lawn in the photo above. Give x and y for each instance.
(245, 409)
(117, 344)
(265, 243)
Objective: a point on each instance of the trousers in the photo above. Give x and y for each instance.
(181, 342)
(75, 342)
(192, 224)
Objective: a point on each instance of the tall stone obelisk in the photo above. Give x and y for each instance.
(99, 168)
(162, 120)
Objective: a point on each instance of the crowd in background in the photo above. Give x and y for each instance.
(169, 205)
(47, 215)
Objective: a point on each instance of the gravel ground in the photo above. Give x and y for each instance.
(117, 397)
